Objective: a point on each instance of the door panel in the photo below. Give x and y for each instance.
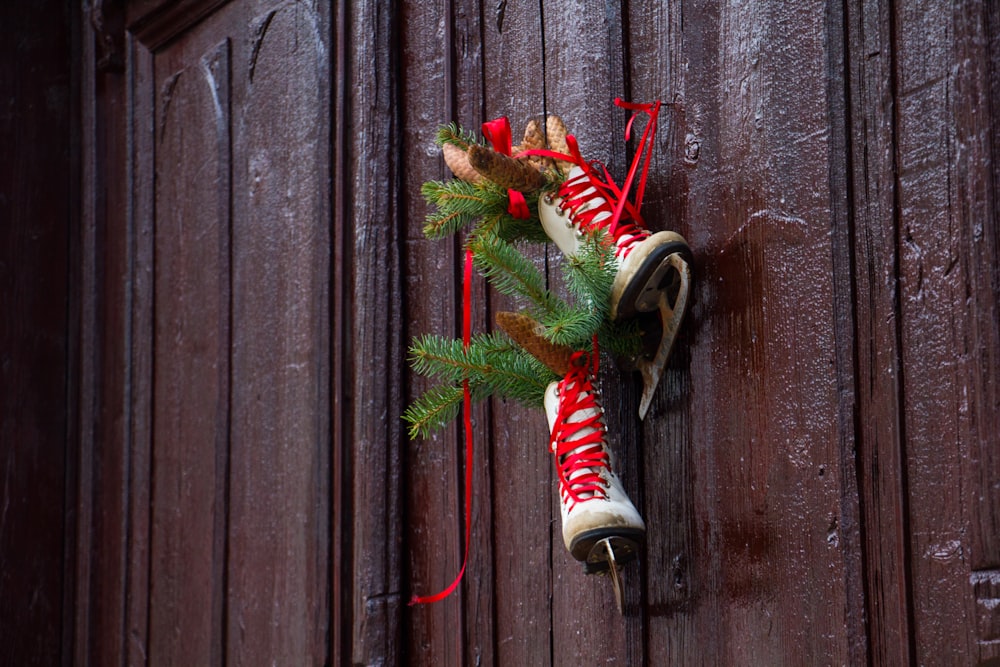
(235, 162)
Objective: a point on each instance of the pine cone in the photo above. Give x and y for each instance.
(555, 131)
(507, 172)
(534, 139)
(458, 161)
(527, 333)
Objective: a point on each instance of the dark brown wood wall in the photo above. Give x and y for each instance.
(819, 471)
(39, 204)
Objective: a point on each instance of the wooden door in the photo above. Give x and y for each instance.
(818, 471)
(221, 228)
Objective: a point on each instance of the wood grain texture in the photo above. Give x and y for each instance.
(373, 357)
(105, 368)
(948, 315)
(279, 485)
(464, 97)
(190, 440)
(881, 436)
(435, 512)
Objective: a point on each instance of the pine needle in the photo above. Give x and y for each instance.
(457, 204)
(434, 409)
(573, 327)
(591, 272)
(447, 358)
(511, 273)
(453, 134)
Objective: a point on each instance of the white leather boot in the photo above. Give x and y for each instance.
(597, 515)
(644, 271)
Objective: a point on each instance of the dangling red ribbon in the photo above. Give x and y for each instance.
(467, 409)
(497, 132)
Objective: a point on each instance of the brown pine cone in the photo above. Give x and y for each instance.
(534, 139)
(555, 131)
(527, 333)
(505, 171)
(458, 161)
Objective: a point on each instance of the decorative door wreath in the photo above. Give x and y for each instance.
(627, 290)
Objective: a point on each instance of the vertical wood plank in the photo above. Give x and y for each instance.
(279, 484)
(880, 428)
(435, 527)
(841, 167)
(141, 100)
(191, 364)
(983, 253)
(465, 97)
(105, 363)
(341, 447)
(373, 363)
(947, 245)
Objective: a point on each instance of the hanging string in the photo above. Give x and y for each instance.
(467, 409)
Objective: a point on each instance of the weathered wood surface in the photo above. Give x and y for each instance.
(948, 316)
(218, 477)
(818, 469)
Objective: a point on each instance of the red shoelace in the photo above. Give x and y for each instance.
(578, 444)
(583, 202)
(583, 207)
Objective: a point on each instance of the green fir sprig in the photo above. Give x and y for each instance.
(493, 365)
(453, 134)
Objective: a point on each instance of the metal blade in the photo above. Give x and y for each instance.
(671, 317)
(616, 582)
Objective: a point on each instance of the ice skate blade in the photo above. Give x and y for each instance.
(605, 552)
(671, 316)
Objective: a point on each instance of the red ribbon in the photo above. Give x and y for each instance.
(467, 408)
(497, 132)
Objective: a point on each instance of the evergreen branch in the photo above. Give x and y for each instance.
(435, 408)
(512, 373)
(452, 133)
(447, 358)
(519, 376)
(512, 273)
(513, 229)
(591, 272)
(458, 203)
(573, 327)
(444, 223)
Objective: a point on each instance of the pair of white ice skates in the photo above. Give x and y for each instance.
(600, 525)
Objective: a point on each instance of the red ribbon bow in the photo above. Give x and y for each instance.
(497, 132)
